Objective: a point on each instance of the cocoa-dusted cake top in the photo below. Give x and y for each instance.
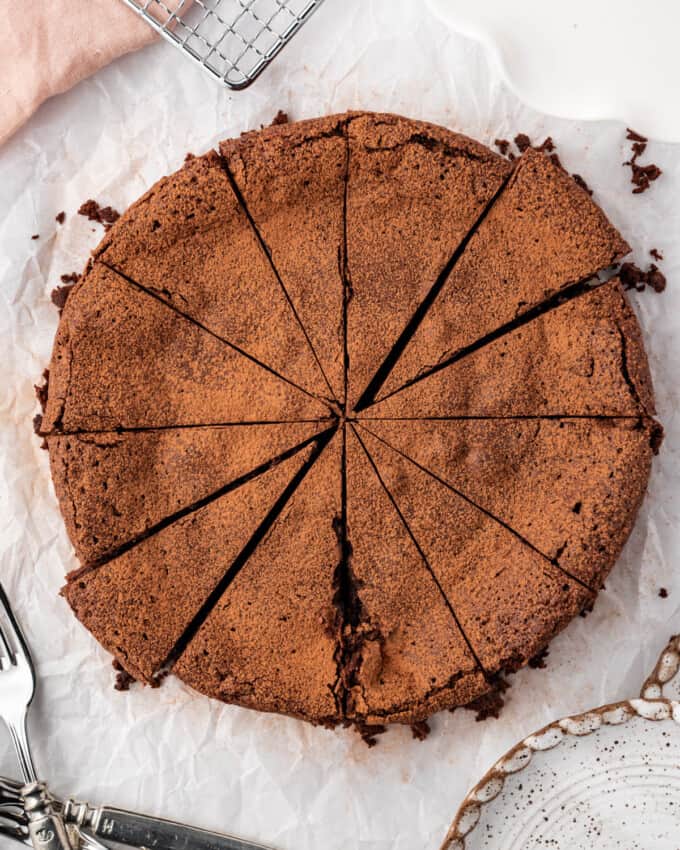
(487, 573)
(270, 641)
(104, 480)
(582, 358)
(140, 604)
(337, 426)
(124, 359)
(414, 192)
(542, 235)
(292, 178)
(588, 475)
(189, 242)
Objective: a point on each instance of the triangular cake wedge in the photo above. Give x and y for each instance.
(139, 605)
(582, 358)
(188, 240)
(542, 233)
(570, 487)
(405, 656)
(414, 192)
(123, 359)
(270, 640)
(113, 486)
(292, 180)
(509, 600)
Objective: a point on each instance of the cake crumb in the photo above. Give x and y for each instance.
(369, 733)
(41, 389)
(656, 437)
(522, 141)
(35, 236)
(656, 254)
(663, 593)
(557, 162)
(503, 146)
(587, 609)
(123, 679)
(491, 703)
(635, 137)
(642, 176)
(60, 217)
(159, 678)
(281, 117)
(92, 211)
(633, 277)
(537, 662)
(420, 730)
(60, 294)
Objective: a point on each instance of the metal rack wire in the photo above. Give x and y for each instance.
(233, 40)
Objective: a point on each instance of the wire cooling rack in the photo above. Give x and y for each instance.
(233, 40)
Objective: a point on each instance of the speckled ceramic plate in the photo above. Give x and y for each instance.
(606, 779)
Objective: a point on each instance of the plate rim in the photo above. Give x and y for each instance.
(651, 706)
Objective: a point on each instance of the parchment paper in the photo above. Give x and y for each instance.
(176, 754)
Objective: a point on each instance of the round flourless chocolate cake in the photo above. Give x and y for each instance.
(342, 422)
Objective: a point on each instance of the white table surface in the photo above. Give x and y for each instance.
(586, 59)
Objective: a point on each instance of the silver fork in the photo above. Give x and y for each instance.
(17, 687)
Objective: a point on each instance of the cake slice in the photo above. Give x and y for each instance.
(269, 643)
(123, 359)
(113, 487)
(542, 233)
(189, 241)
(510, 601)
(582, 358)
(414, 192)
(139, 605)
(404, 654)
(292, 180)
(570, 487)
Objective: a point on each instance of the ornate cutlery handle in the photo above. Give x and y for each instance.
(45, 826)
(143, 831)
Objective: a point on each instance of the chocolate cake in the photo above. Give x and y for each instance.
(104, 481)
(189, 241)
(342, 422)
(414, 192)
(292, 179)
(544, 234)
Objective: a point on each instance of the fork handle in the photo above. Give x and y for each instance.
(45, 826)
(18, 733)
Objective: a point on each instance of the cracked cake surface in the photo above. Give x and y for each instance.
(341, 424)
(270, 640)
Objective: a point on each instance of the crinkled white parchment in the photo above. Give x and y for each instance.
(176, 754)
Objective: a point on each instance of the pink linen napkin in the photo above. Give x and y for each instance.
(50, 45)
